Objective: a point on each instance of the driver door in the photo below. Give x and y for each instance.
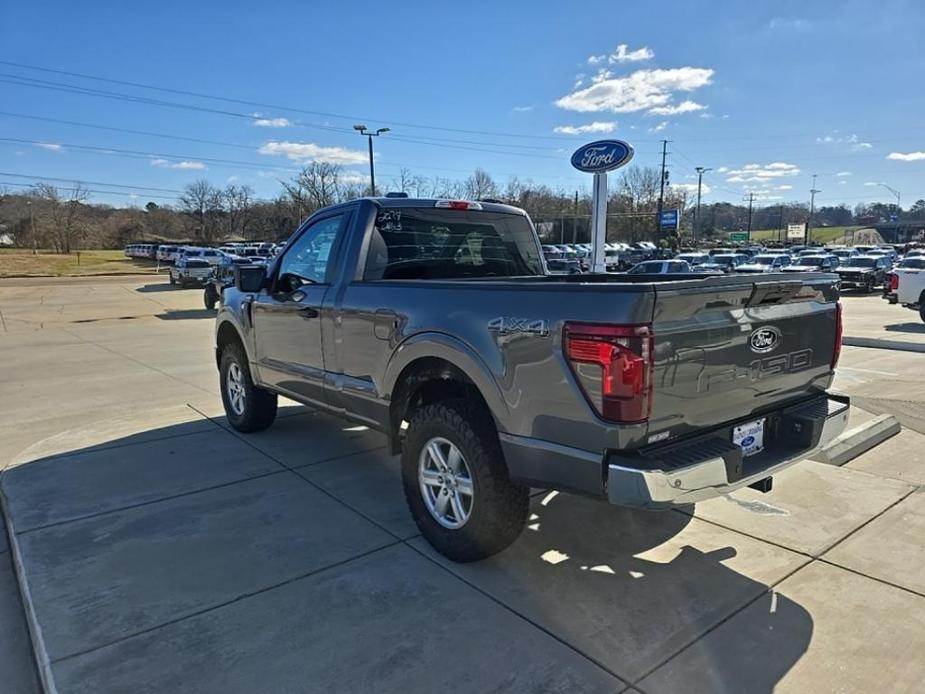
(289, 317)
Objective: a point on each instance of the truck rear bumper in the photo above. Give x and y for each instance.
(710, 465)
(680, 473)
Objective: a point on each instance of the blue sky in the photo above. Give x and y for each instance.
(765, 96)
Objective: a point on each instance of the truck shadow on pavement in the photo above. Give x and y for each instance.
(122, 530)
(186, 314)
(164, 286)
(906, 328)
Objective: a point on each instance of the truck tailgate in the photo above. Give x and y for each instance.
(733, 349)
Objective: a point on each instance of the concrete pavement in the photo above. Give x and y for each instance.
(162, 551)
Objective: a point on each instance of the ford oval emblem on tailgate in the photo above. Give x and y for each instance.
(764, 339)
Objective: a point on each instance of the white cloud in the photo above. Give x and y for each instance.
(685, 106)
(706, 115)
(351, 177)
(308, 151)
(692, 188)
(906, 156)
(871, 183)
(272, 122)
(595, 127)
(190, 165)
(522, 109)
(722, 169)
(789, 24)
(658, 128)
(842, 174)
(624, 55)
(50, 146)
(596, 59)
(761, 172)
(641, 90)
(841, 183)
(852, 140)
(784, 187)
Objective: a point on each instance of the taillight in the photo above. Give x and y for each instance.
(458, 204)
(618, 378)
(894, 281)
(836, 350)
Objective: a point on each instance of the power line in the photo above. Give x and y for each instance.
(92, 190)
(92, 183)
(277, 107)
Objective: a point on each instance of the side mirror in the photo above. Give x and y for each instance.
(249, 278)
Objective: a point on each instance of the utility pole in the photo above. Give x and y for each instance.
(575, 217)
(700, 172)
(661, 192)
(812, 209)
(751, 200)
(363, 130)
(780, 225)
(32, 223)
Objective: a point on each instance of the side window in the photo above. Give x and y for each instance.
(307, 258)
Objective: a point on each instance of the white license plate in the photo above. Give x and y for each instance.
(750, 437)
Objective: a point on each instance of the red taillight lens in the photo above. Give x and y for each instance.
(894, 281)
(836, 350)
(621, 388)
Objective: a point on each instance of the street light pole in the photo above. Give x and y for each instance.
(32, 224)
(363, 130)
(812, 209)
(894, 192)
(700, 172)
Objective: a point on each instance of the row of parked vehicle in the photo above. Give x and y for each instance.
(862, 267)
(170, 254)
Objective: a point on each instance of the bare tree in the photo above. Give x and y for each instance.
(480, 185)
(639, 189)
(238, 209)
(203, 202)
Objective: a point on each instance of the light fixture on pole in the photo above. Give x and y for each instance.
(363, 130)
(700, 172)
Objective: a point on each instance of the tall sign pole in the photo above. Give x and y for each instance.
(598, 158)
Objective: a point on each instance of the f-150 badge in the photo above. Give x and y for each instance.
(506, 325)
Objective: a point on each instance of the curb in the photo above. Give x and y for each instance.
(861, 439)
(39, 652)
(877, 343)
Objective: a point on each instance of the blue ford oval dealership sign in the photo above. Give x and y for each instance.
(601, 156)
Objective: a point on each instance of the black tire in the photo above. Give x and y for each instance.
(259, 407)
(922, 312)
(172, 280)
(499, 507)
(210, 297)
(869, 287)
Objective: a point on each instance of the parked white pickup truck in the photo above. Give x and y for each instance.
(906, 285)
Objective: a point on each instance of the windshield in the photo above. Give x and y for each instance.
(723, 260)
(427, 243)
(843, 253)
(812, 261)
(860, 262)
(763, 260)
(913, 263)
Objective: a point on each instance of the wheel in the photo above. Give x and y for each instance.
(210, 297)
(456, 482)
(922, 312)
(247, 407)
(172, 280)
(869, 286)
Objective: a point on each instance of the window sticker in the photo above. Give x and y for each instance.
(389, 220)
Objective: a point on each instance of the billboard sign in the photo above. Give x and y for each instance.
(669, 219)
(796, 231)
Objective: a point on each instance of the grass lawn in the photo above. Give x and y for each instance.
(820, 234)
(20, 262)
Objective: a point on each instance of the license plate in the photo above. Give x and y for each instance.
(750, 437)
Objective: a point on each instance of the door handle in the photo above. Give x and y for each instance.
(308, 312)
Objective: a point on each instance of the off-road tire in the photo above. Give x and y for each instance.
(500, 507)
(259, 404)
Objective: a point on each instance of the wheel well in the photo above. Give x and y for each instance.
(227, 335)
(424, 381)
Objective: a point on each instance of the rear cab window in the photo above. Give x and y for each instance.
(413, 243)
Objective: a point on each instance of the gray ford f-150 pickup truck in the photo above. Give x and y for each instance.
(435, 322)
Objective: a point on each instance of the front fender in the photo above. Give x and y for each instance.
(457, 353)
